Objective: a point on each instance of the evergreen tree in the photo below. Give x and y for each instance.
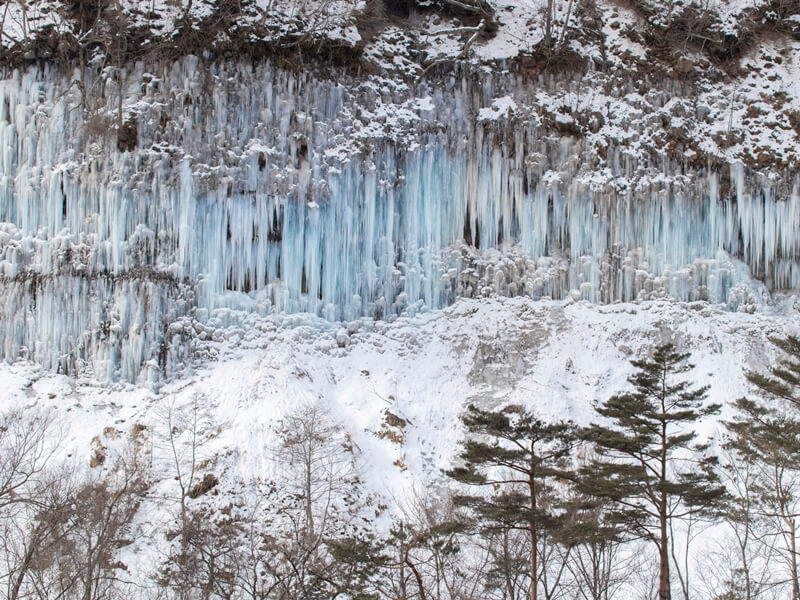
(398, 565)
(783, 382)
(361, 562)
(595, 543)
(520, 459)
(648, 463)
(768, 435)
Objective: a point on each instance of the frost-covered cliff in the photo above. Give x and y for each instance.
(140, 198)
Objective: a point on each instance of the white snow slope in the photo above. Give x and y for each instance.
(558, 359)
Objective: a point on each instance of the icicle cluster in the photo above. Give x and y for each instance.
(258, 189)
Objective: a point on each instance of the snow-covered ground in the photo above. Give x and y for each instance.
(396, 389)
(559, 359)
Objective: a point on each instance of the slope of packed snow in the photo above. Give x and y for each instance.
(556, 358)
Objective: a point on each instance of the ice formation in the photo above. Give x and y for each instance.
(259, 189)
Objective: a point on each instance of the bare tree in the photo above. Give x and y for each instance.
(182, 451)
(680, 540)
(29, 492)
(9, 15)
(70, 542)
(259, 571)
(435, 546)
(30, 532)
(317, 457)
(507, 576)
(270, 539)
(750, 550)
(554, 552)
(318, 470)
(720, 575)
(298, 22)
(28, 440)
(599, 567)
(182, 436)
(30, 527)
(644, 581)
(100, 522)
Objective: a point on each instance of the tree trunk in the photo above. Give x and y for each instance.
(309, 507)
(563, 35)
(403, 557)
(187, 11)
(663, 579)
(793, 544)
(506, 562)
(548, 25)
(402, 582)
(87, 590)
(184, 529)
(418, 577)
(746, 567)
(23, 569)
(532, 523)
(533, 560)
(119, 100)
(663, 550)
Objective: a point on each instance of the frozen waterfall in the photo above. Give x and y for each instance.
(259, 189)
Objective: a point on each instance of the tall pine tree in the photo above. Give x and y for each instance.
(767, 434)
(648, 463)
(520, 459)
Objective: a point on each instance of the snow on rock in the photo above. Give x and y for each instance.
(452, 165)
(501, 107)
(257, 189)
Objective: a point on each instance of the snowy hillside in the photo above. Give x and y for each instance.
(558, 358)
(397, 390)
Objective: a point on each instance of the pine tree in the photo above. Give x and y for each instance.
(648, 463)
(595, 545)
(767, 435)
(783, 382)
(361, 562)
(520, 458)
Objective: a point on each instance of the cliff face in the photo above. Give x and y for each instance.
(145, 201)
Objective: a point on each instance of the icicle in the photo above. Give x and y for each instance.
(256, 190)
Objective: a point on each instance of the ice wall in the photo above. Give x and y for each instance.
(259, 189)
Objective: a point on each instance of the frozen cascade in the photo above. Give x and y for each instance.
(258, 189)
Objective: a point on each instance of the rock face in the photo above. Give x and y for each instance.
(140, 201)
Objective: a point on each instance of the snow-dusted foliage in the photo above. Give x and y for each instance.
(261, 189)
